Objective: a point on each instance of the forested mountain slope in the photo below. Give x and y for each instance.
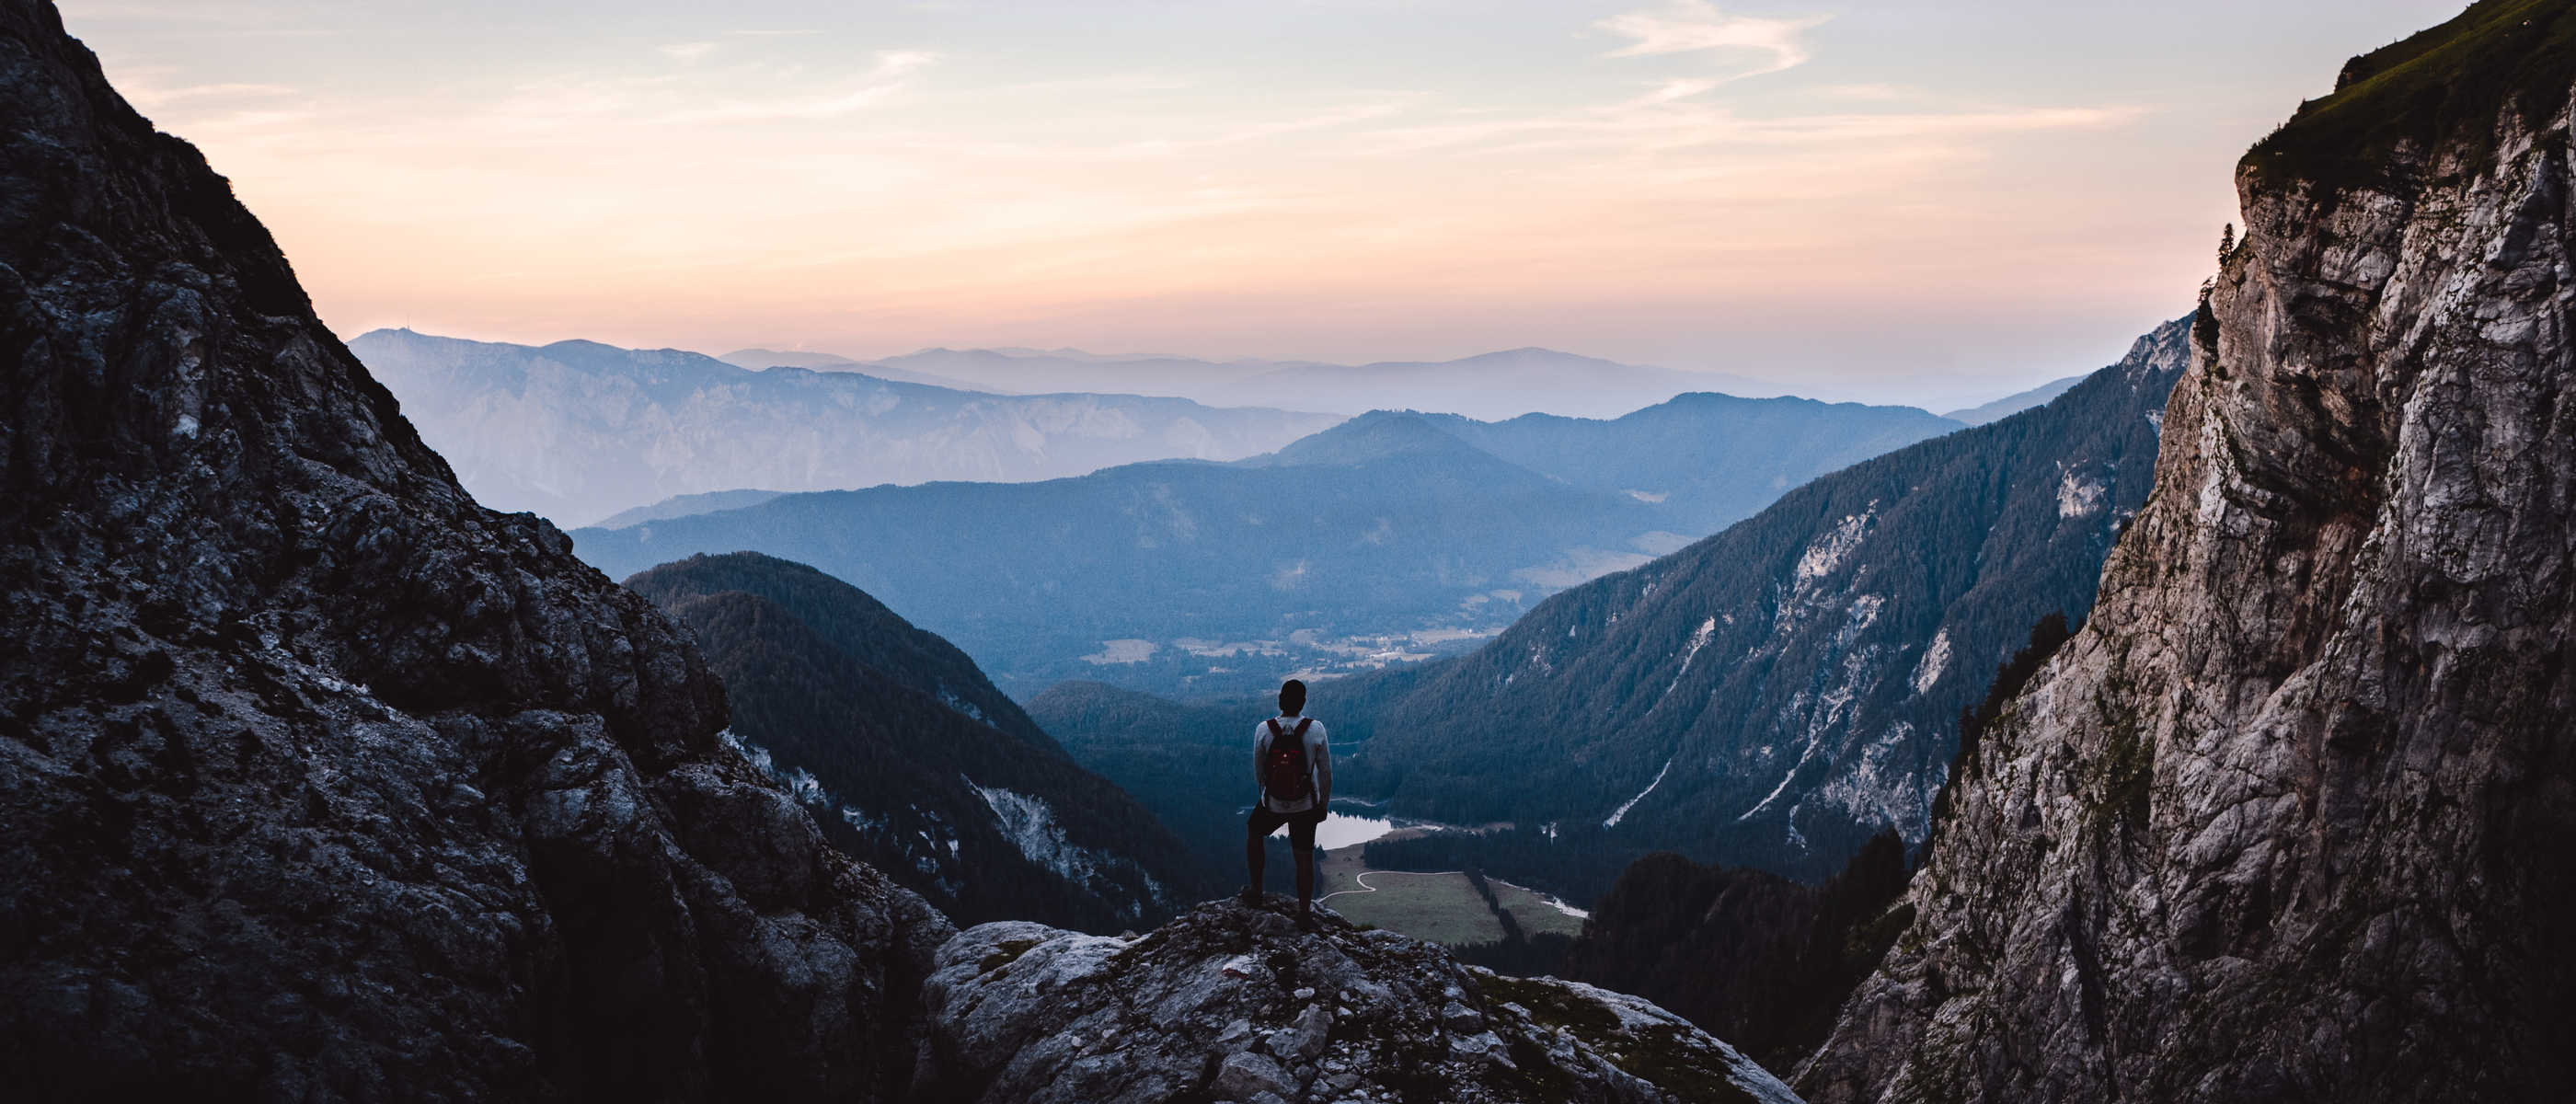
(1773, 695)
(912, 761)
(2288, 819)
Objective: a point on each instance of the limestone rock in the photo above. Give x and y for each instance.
(1209, 1007)
(2288, 819)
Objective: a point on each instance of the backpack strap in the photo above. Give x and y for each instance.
(1302, 723)
(1274, 729)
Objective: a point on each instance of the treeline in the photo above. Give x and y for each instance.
(1758, 960)
(1518, 952)
(1761, 961)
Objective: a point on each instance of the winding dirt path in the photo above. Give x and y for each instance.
(1363, 879)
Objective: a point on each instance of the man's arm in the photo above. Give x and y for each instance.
(1323, 767)
(1260, 736)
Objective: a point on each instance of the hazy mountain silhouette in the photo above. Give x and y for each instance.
(2014, 403)
(757, 359)
(685, 505)
(1489, 385)
(577, 430)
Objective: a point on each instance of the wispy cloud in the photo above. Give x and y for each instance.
(1695, 26)
(890, 76)
(688, 51)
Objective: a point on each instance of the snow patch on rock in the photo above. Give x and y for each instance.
(2081, 496)
(1832, 547)
(1031, 825)
(1699, 639)
(1936, 662)
(1621, 813)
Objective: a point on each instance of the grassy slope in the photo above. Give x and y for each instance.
(2444, 83)
(1442, 908)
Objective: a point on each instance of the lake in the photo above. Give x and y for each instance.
(1340, 830)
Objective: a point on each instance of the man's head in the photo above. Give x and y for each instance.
(1292, 698)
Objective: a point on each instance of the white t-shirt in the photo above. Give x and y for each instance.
(1319, 758)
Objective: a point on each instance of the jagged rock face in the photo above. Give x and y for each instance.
(2287, 820)
(1234, 1003)
(317, 780)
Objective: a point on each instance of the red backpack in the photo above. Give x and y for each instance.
(1284, 776)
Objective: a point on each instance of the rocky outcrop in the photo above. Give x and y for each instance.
(317, 780)
(2287, 820)
(1234, 1003)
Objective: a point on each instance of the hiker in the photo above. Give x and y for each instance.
(1294, 768)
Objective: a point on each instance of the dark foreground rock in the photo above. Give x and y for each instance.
(317, 780)
(1234, 1003)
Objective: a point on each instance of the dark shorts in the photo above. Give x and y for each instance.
(1301, 826)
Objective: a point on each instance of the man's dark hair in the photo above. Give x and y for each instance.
(1292, 698)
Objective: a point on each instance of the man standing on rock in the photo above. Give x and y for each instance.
(1294, 768)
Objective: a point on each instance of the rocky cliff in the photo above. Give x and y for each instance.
(1234, 1003)
(317, 780)
(2287, 820)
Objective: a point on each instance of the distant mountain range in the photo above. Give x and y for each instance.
(685, 505)
(2014, 403)
(1769, 696)
(578, 431)
(912, 761)
(1489, 386)
(1387, 538)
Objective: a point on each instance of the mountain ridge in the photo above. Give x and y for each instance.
(1537, 379)
(1387, 536)
(912, 761)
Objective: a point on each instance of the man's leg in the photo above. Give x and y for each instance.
(1301, 837)
(1255, 829)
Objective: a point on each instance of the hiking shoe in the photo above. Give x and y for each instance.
(1305, 921)
(1250, 897)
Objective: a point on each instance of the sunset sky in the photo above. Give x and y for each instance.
(1898, 201)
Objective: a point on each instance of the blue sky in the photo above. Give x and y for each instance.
(1908, 202)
